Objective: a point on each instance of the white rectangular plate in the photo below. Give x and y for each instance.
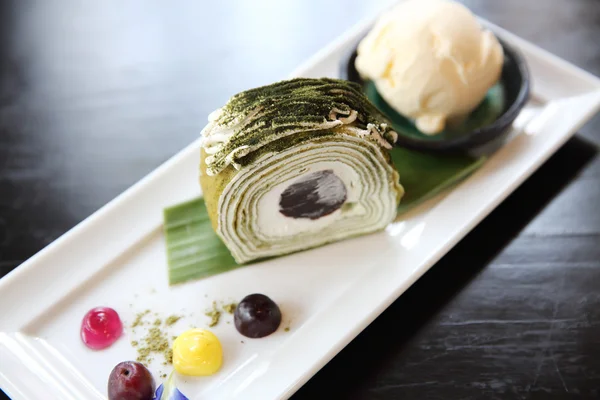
(116, 258)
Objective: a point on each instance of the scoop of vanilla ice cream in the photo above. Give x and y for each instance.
(431, 61)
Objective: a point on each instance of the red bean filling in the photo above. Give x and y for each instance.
(313, 196)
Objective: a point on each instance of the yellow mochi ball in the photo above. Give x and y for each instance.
(197, 352)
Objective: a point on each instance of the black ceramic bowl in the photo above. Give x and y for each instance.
(490, 122)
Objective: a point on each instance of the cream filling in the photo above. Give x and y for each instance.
(251, 225)
(271, 223)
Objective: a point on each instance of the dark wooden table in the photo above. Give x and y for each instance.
(96, 94)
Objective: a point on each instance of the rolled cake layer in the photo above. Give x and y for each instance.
(295, 165)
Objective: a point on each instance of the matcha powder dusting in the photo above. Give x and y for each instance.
(156, 340)
(172, 320)
(230, 308)
(138, 319)
(214, 315)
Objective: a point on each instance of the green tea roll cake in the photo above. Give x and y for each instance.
(295, 165)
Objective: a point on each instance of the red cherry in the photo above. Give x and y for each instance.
(130, 380)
